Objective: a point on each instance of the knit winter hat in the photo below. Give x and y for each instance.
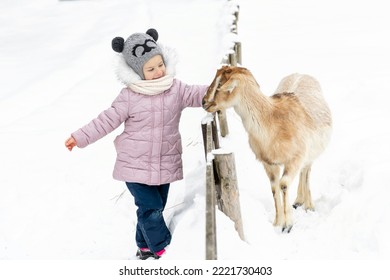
(138, 49)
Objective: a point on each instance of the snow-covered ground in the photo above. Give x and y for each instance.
(57, 74)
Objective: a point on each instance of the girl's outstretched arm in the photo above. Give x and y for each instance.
(104, 123)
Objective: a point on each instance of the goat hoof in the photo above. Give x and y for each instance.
(310, 209)
(297, 204)
(286, 229)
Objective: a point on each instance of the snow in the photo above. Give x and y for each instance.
(57, 74)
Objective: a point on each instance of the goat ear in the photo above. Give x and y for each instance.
(231, 85)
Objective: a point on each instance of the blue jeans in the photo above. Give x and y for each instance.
(152, 231)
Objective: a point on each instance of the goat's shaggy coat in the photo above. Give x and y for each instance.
(289, 129)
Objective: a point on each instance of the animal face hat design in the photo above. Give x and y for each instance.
(138, 49)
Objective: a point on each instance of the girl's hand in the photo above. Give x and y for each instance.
(70, 143)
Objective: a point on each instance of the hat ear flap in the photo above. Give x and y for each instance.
(153, 33)
(118, 44)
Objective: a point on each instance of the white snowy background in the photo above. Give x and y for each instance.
(56, 71)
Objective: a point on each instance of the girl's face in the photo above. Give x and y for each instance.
(154, 68)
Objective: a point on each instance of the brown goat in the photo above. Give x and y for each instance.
(289, 129)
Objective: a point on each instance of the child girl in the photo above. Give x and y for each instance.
(149, 149)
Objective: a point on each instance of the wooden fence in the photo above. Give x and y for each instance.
(221, 179)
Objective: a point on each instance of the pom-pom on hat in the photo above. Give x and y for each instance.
(138, 49)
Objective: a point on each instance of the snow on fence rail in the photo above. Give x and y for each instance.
(221, 179)
(233, 57)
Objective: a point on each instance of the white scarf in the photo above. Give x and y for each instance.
(152, 87)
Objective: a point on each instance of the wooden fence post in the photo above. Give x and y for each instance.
(227, 192)
(211, 232)
(238, 52)
(214, 142)
(223, 126)
(233, 59)
(211, 235)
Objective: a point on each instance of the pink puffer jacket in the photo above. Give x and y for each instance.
(149, 149)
